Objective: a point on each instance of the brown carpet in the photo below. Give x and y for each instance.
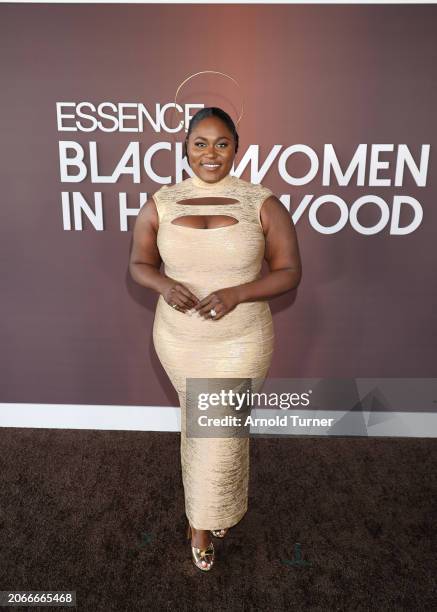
(101, 513)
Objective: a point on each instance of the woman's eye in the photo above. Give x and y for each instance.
(225, 144)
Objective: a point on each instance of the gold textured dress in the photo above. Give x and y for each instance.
(215, 471)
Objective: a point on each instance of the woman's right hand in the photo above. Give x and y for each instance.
(177, 293)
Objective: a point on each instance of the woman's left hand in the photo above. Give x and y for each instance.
(222, 301)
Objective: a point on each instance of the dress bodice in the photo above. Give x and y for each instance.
(210, 259)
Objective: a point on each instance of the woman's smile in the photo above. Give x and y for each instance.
(211, 167)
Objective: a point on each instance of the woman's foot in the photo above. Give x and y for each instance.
(202, 548)
(219, 533)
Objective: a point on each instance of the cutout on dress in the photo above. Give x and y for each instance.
(216, 201)
(205, 221)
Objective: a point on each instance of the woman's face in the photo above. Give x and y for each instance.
(211, 142)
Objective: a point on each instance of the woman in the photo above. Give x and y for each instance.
(212, 319)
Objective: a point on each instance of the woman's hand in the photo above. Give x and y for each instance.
(179, 296)
(222, 301)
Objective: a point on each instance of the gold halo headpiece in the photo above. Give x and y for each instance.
(214, 72)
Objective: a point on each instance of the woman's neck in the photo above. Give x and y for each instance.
(198, 182)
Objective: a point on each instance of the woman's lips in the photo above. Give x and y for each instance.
(215, 167)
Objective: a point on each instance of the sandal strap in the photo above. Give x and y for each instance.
(204, 551)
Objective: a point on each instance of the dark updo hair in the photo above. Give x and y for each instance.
(203, 113)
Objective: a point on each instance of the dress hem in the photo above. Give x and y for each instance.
(229, 522)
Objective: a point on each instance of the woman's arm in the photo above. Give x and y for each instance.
(145, 260)
(281, 254)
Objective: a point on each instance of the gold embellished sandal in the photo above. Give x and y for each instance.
(219, 533)
(203, 558)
